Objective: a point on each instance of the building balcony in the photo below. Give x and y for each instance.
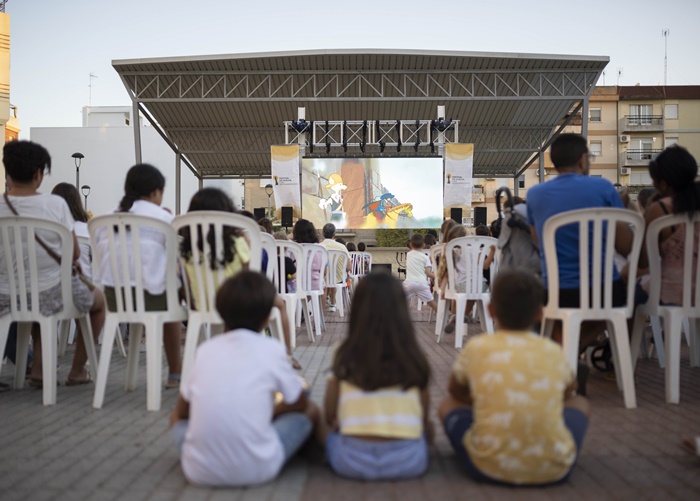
(637, 158)
(477, 194)
(643, 123)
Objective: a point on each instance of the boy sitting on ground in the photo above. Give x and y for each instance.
(512, 414)
(418, 270)
(226, 424)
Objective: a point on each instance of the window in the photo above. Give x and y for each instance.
(640, 114)
(670, 141)
(521, 182)
(671, 111)
(596, 148)
(594, 115)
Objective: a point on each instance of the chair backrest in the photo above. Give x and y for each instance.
(436, 252)
(336, 260)
(313, 255)
(19, 267)
(597, 229)
(691, 271)
(293, 250)
(268, 244)
(465, 257)
(85, 256)
(206, 228)
(367, 257)
(357, 264)
(116, 242)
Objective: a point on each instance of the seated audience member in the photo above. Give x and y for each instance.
(496, 228)
(226, 424)
(361, 247)
(304, 232)
(377, 401)
(25, 164)
(350, 246)
(290, 267)
(429, 240)
(70, 194)
(265, 224)
(512, 415)
(418, 270)
(644, 198)
(330, 243)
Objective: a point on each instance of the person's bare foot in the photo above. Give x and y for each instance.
(76, 378)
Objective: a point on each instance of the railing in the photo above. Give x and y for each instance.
(638, 157)
(643, 122)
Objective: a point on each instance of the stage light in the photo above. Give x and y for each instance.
(300, 125)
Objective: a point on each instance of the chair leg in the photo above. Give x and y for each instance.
(49, 359)
(619, 337)
(695, 342)
(672, 336)
(276, 324)
(637, 336)
(656, 331)
(460, 310)
(339, 301)
(89, 341)
(110, 330)
(571, 332)
(132, 360)
(24, 333)
(318, 319)
(439, 317)
(194, 327)
(484, 316)
(120, 343)
(63, 332)
(154, 364)
(547, 328)
(307, 319)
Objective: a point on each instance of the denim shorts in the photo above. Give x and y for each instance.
(458, 422)
(293, 429)
(369, 460)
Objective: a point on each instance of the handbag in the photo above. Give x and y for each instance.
(76, 271)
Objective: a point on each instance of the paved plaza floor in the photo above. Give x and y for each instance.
(71, 451)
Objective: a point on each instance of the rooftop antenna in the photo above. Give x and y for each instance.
(619, 74)
(2, 5)
(92, 75)
(665, 33)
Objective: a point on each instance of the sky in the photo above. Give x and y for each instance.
(56, 45)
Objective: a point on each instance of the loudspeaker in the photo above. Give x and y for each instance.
(456, 214)
(287, 215)
(259, 213)
(480, 216)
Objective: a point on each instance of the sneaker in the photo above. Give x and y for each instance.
(450, 327)
(332, 308)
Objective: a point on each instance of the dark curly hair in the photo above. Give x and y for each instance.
(304, 232)
(22, 159)
(217, 200)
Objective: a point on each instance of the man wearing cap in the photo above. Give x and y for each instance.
(335, 201)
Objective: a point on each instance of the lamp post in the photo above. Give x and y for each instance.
(268, 190)
(78, 157)
(86, 191)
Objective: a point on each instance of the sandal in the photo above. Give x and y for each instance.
(173, 381)
(77, 382)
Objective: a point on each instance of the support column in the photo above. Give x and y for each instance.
(178, 181)
(541, 166)
(201, 182)
(584, 118)
(137, 130)
(516, 189)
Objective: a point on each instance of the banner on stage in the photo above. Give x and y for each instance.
(459, 168)
(285, 177)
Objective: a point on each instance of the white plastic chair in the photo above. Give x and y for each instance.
(673, 315)
(20, 269)
(311, 253)
(435, 254)
(208, 281)
(601, 222)
(268, 244)
(471, 253)
(338, 259)
(292, 299)
(122, 233)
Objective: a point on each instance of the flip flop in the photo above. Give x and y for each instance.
(78, 382)
(173, 381)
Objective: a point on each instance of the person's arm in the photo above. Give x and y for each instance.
(459, 391)
(533, 234)
(76, 247)
(180, 412)
(623, 238)
(489, 258)
(429, 272)
(330, 403)
(298, 406)
(427, 423)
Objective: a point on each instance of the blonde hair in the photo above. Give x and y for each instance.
(456, 231)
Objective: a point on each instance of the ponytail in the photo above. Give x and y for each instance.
(141, 181)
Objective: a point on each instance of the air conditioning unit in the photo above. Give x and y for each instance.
(624, 138)
(625, 171)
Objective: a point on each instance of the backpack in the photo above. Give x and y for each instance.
(518, 251)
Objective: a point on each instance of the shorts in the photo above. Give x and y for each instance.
(459, 421)
(570, 298)
(418, 289)
(152, 303)
(51, 302)
(353, 457)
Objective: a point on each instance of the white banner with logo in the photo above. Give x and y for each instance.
(459, 168)
(285, 177)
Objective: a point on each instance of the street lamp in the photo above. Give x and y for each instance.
(78, 157)
(268, 190)
(86, 191)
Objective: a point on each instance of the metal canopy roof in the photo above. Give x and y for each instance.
(222, 112)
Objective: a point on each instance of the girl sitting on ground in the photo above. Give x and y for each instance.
(377, 402)
(143, 196)
(236, 250)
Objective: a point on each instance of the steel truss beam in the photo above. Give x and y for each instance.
(300, 86)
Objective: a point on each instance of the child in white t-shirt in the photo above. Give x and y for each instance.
(418, 270)
(226, 423)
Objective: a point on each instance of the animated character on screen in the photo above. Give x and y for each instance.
(335, 201)
(380, 207)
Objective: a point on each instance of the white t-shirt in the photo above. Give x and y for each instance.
(153, 255)
(416, 263)
(51, 208)
(85, 260)
(230, 439)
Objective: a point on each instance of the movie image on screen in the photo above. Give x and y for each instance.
(372, 192)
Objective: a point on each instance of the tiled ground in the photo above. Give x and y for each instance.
(71, 451)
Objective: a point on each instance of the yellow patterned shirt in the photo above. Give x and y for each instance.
(517, 383)
(390, 412)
